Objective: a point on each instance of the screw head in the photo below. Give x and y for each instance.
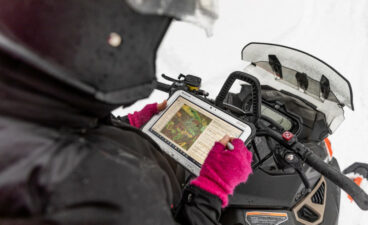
(290, 157)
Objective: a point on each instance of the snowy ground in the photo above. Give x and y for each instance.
(336, 31)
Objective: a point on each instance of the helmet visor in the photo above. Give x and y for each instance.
(203, 13)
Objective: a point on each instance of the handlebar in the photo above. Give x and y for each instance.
(163, 87)
(359, 196)
(256, 92)
(312, 159)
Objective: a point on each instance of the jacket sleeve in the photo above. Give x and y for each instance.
(124, 119)
(114, 120)
(198, 207)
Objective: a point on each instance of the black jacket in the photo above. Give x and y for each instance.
(62, 161)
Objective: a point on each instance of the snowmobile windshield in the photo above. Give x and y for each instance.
(302, 71)
(306, 76)
(200, 12)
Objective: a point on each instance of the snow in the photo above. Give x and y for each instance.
(335, 31)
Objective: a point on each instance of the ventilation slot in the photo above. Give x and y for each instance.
(318, 197)
(308, 214)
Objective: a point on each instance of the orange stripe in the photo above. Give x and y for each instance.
(350, 198)
(358, 181)
(328, 144)
(265, 214)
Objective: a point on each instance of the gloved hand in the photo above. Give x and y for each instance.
(137, 119)
(224, 169)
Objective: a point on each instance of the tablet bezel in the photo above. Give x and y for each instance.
(247, 131)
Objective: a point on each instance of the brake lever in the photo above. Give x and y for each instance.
(169, 78)
(359, 168)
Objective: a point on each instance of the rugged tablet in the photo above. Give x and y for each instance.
(189, 127)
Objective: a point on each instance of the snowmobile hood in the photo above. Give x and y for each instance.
(302, 75)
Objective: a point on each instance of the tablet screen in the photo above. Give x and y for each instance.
(191, 130)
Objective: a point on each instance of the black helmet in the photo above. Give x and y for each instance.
(104, 48)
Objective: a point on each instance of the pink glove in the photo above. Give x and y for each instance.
(223, 170)
(137, 119)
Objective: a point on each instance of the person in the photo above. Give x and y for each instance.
(64, 65)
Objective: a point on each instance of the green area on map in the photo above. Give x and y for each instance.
(186, 126)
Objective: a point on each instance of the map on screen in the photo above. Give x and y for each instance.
(185, 126)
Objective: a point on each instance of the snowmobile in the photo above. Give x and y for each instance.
(295, 101)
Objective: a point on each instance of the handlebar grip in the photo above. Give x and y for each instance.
(359, 196)
(163, 87)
